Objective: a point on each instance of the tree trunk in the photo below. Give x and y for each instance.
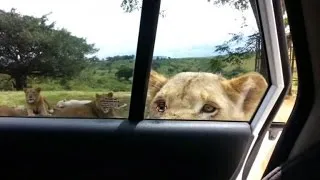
(292, 57)
(291, 62)
(262, 65)
(20, 82)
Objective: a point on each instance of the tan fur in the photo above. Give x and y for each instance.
(12, 112)
(36, 103)
(185, 95)
(156, 81)
(94, 109)
(85, 111)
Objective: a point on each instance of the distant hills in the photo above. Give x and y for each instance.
(198, 51)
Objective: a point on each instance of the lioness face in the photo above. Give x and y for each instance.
(32, 94)
(204, 96)
(106, 102)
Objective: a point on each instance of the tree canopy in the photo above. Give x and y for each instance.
(32, 46)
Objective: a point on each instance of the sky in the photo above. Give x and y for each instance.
(190, 28)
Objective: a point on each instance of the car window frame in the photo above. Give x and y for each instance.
(144, 53)
(279, 82)
(144, 56)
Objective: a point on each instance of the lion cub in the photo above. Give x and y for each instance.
(36, 103)
(205, 96)
(101, 107)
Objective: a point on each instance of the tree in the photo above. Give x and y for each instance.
(29, 46)
(5, 82)
(124, 72)
(117, 58)
(261, 59)
(291, 53)
(155, 64)
(217, 65)
(133, 5)
(236, 54)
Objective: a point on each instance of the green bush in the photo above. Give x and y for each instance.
(5, 82)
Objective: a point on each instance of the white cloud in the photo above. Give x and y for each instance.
(188, 23)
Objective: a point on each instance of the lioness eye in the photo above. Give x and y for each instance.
(207, 108)
(161, 106)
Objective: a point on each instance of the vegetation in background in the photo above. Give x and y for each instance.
(102, 75)
(29, 46)
(34, 53)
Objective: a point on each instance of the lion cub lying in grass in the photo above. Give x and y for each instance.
(205, 96)
(102, 107)
(10, 111)
(36, 104)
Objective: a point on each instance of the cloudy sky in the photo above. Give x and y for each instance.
(191, 28)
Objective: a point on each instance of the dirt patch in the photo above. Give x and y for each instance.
(285, 109)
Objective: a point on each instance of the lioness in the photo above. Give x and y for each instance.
(102, 107)
(10, 111)
(64, 103)
(36, 103)
(205, 96)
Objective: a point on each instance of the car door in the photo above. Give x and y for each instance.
(299, 134)
(141, 146)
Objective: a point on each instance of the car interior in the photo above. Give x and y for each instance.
(136, 147)
(296, 153)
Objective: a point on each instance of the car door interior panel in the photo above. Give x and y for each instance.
(114, 149)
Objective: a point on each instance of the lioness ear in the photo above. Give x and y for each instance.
(110, 94)
(156, 82)
(38, 89)
(25, 90)
(246, 91)
(98, 95)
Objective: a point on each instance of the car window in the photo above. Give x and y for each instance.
(288, 103)
(209, 62)
(78, 57)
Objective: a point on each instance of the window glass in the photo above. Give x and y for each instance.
(78, 55)
(290, 99)
(208, 63)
